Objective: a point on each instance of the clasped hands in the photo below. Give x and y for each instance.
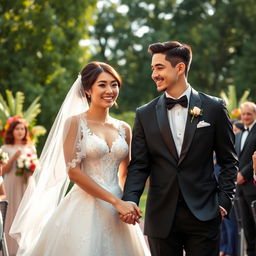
(129, 212)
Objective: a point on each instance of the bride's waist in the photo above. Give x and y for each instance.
(103, 179)
(112, 188)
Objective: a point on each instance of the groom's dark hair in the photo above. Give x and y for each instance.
(175, 52)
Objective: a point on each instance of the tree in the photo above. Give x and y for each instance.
(39, 48)
(221, 34)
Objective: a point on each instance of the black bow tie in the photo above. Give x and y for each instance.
(246, 130)
(170, 103)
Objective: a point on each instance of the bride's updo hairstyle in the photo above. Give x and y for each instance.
(91, 72)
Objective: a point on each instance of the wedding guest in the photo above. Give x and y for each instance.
(229, 227)
(237, 126)
(246, 190)
(17, 143)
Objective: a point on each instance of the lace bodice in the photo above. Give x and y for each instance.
(99, 160)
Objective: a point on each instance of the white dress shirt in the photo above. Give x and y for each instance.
(177, 119)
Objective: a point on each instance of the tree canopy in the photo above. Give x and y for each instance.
(44, 44)
(220, 32)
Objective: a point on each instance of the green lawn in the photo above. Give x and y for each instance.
(143, 201)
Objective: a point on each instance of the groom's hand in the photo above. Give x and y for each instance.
(133, 217)
(130, 218)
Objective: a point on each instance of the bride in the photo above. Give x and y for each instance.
(90, 148)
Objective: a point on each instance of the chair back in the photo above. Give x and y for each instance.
(3, 209)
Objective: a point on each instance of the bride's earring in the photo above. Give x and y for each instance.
(88, 96)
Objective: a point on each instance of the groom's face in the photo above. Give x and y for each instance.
(163, 73)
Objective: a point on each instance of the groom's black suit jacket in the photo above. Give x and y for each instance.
(154, 154)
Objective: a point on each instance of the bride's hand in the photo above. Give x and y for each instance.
(127, 208)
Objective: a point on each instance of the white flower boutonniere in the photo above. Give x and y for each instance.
(195, 112)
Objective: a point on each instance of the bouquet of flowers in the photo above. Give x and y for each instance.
(3, 157)
(26, 165)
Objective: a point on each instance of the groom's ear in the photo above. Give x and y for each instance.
(181, 67)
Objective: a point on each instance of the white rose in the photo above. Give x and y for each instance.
(23, 157)
(27, 163)
(196, 111)
(20, 163)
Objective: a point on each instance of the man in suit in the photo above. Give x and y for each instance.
(174, 137)
(246, 189)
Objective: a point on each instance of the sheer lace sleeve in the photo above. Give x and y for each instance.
(72, 147)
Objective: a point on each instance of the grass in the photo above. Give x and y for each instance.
(143, 200)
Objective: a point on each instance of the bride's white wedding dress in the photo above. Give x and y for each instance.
(87, 226)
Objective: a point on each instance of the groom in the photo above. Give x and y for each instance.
(174, 137)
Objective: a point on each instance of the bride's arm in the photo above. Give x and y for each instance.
(124, 164)
(92, 188)
(84, 181)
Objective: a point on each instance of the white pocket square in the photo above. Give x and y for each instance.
(202, 124)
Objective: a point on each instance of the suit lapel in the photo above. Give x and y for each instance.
(238, 144)
(163, 123)
(251, 134)
(190, 128)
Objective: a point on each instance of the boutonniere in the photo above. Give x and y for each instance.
(195, 112)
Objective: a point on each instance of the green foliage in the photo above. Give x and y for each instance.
(221, 34)
(232, 102)
(128, 117)
(39, 49)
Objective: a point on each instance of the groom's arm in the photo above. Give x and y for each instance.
(226, 157)
(138, 169)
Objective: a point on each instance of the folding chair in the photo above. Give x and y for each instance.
(241, 238)
(253, 205)
(3, 243)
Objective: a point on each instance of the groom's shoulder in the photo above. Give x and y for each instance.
(149, 105)
(209, 99)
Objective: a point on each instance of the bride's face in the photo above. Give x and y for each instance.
(104, 91)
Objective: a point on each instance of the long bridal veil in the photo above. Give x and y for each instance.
(41, 199)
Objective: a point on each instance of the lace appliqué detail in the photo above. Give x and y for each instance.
(122, 130)
(79, 152)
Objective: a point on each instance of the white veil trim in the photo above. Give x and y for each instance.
(41, 199)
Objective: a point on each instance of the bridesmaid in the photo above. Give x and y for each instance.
(16, 143)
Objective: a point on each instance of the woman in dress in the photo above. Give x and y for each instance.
(16, 143)
(90, 146)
